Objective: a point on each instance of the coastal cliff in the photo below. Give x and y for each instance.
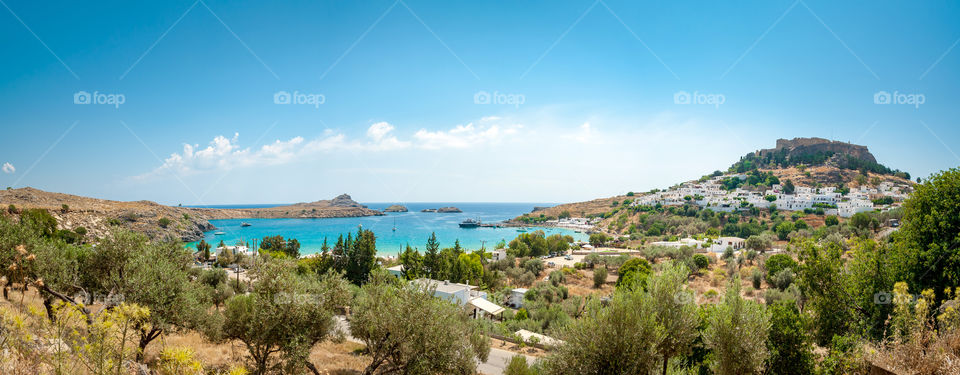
(99, 216)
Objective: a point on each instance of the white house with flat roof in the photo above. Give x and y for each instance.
(468, 296)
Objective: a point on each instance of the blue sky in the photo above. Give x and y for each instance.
(457, 100)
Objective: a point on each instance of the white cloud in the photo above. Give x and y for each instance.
(463, 136)
(8, 168)
(224, 153)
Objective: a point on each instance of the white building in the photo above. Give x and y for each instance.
(467, 296)
(710, 194)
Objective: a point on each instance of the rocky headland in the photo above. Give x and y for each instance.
(99, 216)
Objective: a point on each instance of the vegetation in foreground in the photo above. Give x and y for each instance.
(836, 304)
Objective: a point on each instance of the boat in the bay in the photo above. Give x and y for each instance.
(470, 223)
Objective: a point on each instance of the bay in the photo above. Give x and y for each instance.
(413, 227)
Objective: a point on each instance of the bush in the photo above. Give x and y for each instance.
(777, 263)
(164, 222)
(831, 220)
(783, 279)
(701, 261)
(518, 366)
(635, 270)
(527, 279)
(534, 266)
(790, 345)
(557, 277)
(599, 277)
(756, 278)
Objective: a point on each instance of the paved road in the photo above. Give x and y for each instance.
(495, 364)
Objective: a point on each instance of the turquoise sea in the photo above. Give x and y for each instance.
(413, 227)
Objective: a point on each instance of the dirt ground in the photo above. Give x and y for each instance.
(511, 347)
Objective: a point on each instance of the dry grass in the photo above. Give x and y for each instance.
(330, 358)
(583, 286)
(928, 355)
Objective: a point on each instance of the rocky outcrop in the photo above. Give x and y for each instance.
(395, 208)
(344, 200)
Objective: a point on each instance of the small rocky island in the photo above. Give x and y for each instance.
(396, 208)
(442, 210)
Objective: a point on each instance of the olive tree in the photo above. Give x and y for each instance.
(156, 278)
(737, 332)
(408, 330)
(285, 315)
(675, 312)
(617, 339)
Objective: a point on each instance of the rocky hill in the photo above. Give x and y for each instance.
(811, 162)
(99, 216)
(812, 152)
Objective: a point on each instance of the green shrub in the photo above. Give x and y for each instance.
(777, 263)
(783, 279)
(756, 278)
(599, 277)
(635, 270)
(557, 277)
(701, 261)
(164, 222)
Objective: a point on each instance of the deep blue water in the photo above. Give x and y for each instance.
(413, 227)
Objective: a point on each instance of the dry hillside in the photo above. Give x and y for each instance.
(99, 216)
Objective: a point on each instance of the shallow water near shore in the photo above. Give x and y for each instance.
(413, 227)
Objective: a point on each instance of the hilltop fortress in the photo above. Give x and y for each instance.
(806, 146)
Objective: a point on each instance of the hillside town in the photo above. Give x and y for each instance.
(711, 194)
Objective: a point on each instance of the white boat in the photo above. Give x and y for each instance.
(219, 233)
